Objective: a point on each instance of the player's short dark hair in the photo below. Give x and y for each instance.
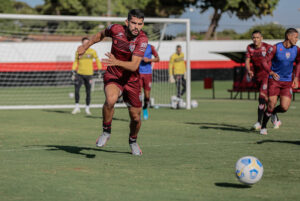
(135, 13)
(289, 31)
(255, 32)
(178, 46)
(84, 38)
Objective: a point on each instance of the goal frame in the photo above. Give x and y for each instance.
(185, 21)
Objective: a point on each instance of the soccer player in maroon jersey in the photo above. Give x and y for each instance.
(129, 43)
(282, 79)
(256, 52)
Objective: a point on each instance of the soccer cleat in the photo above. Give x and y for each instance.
(145, 114)
(76, 110)
(263, 131)
(87, 111)
(274, 118)
(277, 124)
(135, 149)
(102, 139)
(257, 126)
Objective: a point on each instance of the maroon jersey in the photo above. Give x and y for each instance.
(257, 56)
(123, 49)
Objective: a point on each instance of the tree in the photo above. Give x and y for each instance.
(269, 31)
(243, 9)
(6, 6)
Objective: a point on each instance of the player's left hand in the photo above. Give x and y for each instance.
(295, 84)
(111, 60)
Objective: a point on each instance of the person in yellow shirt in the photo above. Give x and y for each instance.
(82, 72)
(177, 71)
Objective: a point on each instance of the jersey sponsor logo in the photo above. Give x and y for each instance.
(263, 48)
(270, 50)
(143, 47)
(287, 55)
(131, 47)
(280, 49)
(120, 34)
(265, 86)
(263, 53)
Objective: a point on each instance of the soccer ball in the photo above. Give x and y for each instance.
(249, 170)
(194, 103)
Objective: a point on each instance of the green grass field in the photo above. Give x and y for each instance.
(48, 155)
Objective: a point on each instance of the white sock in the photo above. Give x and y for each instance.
(87, 107)
(77, 105)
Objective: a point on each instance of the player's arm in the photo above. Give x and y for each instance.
(171, 63)
(99, 64)
(155, 54)
(297, 70)
(266, 62)
(94, 39)
(132, 65)
(247, 63)
(74, 67)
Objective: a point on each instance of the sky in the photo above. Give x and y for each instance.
(287, 13)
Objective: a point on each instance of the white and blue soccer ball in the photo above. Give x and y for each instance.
(249, 170)
(194, 104)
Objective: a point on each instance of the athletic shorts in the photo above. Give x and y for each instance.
(131, 91)
(262, 84)
(280, 88)
(146, 81)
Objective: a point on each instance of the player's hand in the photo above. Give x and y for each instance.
(146, 59)
(81, 50)
(111, 60)
(250, 74)
(295, 84)
(171, 79)
(73, 77)
(275, 76)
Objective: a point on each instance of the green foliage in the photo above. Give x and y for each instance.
(269, 31)
(6, 6)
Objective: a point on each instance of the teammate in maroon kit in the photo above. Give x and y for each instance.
(129, 43)
(256, 52)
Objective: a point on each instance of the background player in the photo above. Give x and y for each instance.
(82, 72)
(122, 76)
(177, 71)
(146, 75)
(256, 52)
(283, 55)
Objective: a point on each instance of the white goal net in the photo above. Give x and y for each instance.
(37, 53)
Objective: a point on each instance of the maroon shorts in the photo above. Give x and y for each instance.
(146, 81)
(262, 83)
(131, 91)
(280, 88)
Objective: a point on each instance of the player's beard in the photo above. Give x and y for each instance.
(131, 34)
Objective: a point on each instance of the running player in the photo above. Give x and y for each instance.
(129, 43)
(281, 81)
(256, 52)
(146, 76)
(82, 72)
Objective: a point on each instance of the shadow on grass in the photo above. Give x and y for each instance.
(100, 117)
(224, 127)
(78, 150)
(59, 111)
(231, 185)
(296, 142)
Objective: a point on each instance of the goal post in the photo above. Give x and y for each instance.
(28, 69)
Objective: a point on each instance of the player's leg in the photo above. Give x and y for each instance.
(183, 83)
(262, 101)
(112, 93)
(132, 97)
(87, 84)
(273, 92)
(77, 84)
(178, 84)
(285, 101)
(147, 82)
(271, 106)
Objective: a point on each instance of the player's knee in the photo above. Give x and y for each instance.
(110, 103)
(284, 108)
(135, 118)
